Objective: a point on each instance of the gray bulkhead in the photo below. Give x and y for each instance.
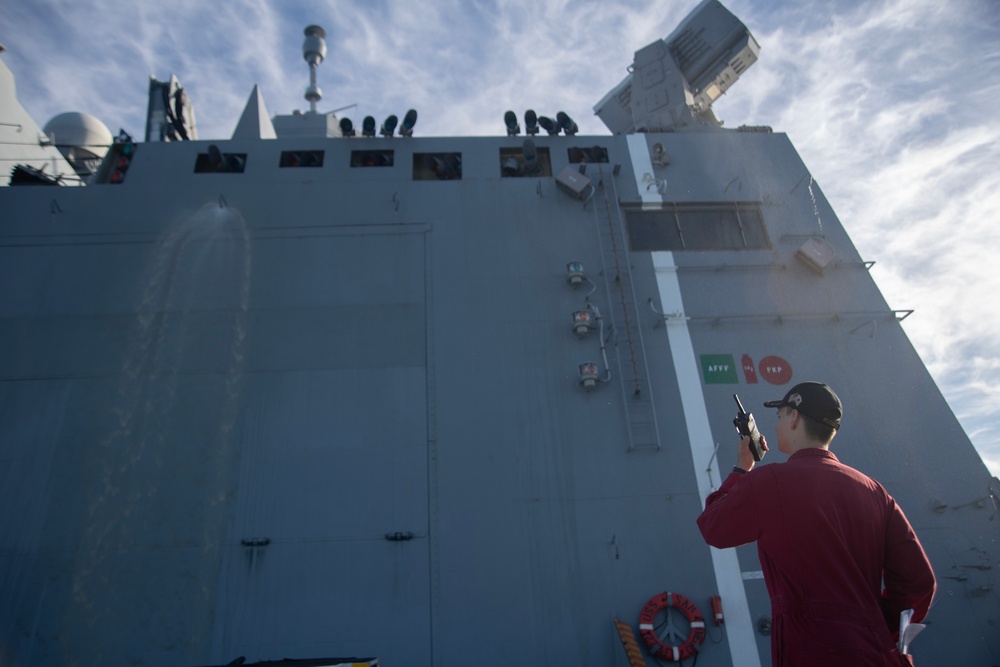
(336, 411)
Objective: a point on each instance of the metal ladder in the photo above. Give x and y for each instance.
(637, 391)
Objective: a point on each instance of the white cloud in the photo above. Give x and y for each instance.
(889, 103)
(890, 106)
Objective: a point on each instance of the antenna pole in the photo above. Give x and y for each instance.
(314, 50)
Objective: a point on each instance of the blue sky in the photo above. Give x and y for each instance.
(891, 103)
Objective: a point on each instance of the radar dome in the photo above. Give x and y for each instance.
(82, 139)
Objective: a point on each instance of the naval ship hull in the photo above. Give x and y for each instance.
(338, 410)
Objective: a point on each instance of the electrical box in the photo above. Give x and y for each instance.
(817, 254)
(571, 181)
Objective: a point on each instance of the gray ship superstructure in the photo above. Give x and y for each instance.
(321, 390)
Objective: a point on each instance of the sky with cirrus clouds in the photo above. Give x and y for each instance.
(892, 104)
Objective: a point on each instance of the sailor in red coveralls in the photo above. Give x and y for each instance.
(829, 539)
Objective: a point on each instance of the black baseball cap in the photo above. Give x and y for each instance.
(815, 400)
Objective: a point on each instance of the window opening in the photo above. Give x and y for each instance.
(301, 159)
(519, 162)
(217, 162)
(437, 166)
(592, 154)
(698, 227)
(372, 158)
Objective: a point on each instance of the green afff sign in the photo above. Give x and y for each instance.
(719, 369)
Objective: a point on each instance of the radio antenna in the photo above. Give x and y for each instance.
(314, 50)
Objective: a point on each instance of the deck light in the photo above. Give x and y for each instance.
(531, 164)
(368, 127)
(530, 122)
(389, 126)
(566, 123)
(510, 120)
(409, 120)
(574, 274)
(588, 375)
(548, 125)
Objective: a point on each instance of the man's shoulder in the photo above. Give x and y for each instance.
(820, 464)
(816, 459)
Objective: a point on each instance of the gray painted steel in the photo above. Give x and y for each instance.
(335, 411)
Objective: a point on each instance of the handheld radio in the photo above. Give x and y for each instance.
(746, 426)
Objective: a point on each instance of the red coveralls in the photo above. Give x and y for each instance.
(828, 538)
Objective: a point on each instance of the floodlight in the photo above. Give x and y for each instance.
(566, 123)
(346, 127)
(510, 168)
(368, 127)
(441, 169)
(389, 126)
(409, 120)
(531, 164)
(548, 125)
(530, 122)
(446, 166)
(510, 119)
(659, 156)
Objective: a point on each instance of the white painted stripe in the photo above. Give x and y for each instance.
(753, 574)
(697, 624)
(645, 626)
(742, 642)
(677, 653)
(642, 166)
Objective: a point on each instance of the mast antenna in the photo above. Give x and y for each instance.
(314, 50)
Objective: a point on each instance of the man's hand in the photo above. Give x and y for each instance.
(744, 457)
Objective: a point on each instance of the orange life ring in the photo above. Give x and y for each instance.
(654, 644)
